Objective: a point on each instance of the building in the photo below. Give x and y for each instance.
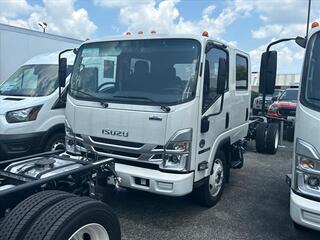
(17, 45)
(282, 80)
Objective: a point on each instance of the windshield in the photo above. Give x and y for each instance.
(289, 95)
(157, 71)
(310, 90)
(31, 80)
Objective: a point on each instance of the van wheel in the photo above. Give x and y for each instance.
(17, 222)
(210, 192)
(261, 137)
(272, 138)
(55, 142)
(76, 218)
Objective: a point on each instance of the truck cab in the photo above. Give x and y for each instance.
(172, 110)
(31, 114)
(305, 178)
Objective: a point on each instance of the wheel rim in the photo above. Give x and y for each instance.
(216, 178)
(58, 145)
(92, 231)
(276, 141)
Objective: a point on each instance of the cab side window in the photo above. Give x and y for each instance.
(211, 76)
(242, 76)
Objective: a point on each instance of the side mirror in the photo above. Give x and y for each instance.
(274, 99)
(205, 125)
(222, 76)
(268, 72)
(301, 41)
(62, 72)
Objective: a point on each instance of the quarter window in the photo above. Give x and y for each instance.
(242, 75)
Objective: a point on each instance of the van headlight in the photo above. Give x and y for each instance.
(177, 152)
(307, 169)
(23, 115)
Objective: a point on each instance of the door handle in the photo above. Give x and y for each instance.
(227, 120)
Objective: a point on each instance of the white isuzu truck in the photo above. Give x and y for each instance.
(171, 110)
(304, 180)
(31, 114)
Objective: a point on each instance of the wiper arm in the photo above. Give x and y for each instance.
(162, 107)
(102, 102)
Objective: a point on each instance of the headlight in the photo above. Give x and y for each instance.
(307, 169)
(177, 152)
(23, 115)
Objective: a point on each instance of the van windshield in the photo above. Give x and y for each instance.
(31, 80)
(156, 71)
(310, 87)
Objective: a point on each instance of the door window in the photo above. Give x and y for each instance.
(241, 73)
(211, 76)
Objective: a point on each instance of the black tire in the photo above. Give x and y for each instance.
(63, 219)
(15, 224)
(55, 142)
(202, 194)
(261, 137)
(272, 138)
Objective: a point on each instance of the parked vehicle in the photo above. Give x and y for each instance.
(304, 181)
(31, 115)
(172, 110)
(257, 102)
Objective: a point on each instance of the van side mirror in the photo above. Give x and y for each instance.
(62, 72)
(205, 125)
(222, 76)
(301, 41)
(268, 72)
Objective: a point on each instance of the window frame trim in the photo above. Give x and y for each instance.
(215, 46)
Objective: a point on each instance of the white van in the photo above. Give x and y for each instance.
(31, 114)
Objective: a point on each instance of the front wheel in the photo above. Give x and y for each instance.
(55, 142)
(210, 192)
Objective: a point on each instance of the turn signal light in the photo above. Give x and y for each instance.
(314, 25)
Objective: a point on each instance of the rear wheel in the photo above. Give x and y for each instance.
(55, 142)
(261, 137)
(76, 218)
(17, 222)
(210, 192)
(272, 138)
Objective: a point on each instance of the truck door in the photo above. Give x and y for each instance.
(211, 103)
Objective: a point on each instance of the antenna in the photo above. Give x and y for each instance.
(308, 20)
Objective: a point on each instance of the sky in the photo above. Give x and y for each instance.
(247, 24)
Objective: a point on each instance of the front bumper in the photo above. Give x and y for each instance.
(18, 145)
(154, 181)
(304, 211)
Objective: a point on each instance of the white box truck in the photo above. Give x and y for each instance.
(304, 180)
(18, 45)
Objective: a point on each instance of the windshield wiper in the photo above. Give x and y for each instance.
(101, 101)
(162, 107)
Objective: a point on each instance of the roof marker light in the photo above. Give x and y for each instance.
(205, 34)
(153, 32)
(140, 32)
(128, 33)
(314, 25)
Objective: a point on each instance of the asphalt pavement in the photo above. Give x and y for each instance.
(254, 205)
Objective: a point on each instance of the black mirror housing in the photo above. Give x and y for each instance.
(268, 72)
(205, 124)
(222, 76)
(301, 41)
(62, 75)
